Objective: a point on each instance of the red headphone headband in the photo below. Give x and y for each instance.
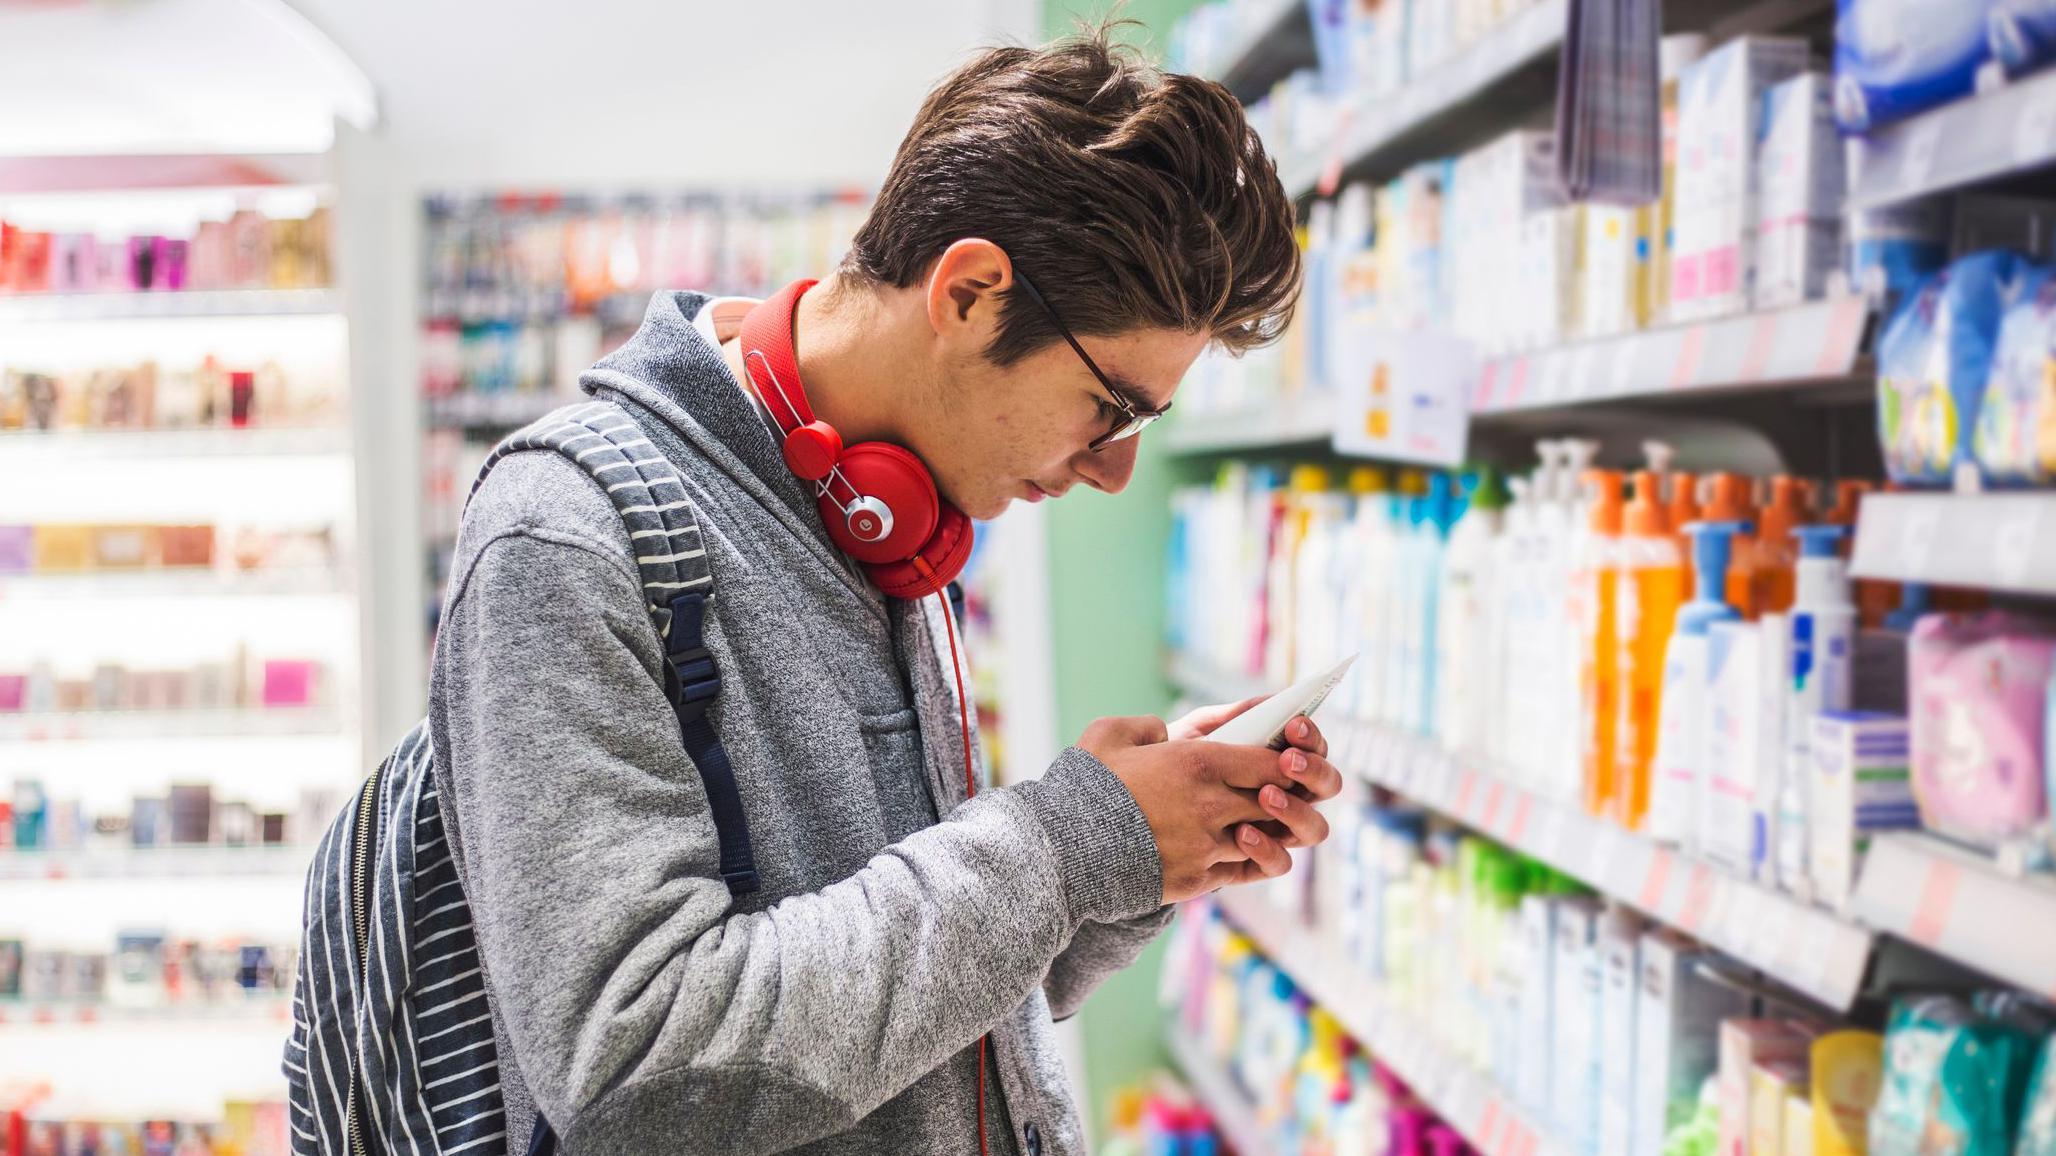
(878, 500)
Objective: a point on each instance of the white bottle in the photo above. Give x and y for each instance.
(1377, 545)
(1823, 633)
(1678, 772)
(1465, 622)
(1512, 575)
(1555, 675)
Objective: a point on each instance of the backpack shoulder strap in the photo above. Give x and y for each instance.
(671, 558)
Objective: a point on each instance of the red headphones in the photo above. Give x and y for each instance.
(877, 499)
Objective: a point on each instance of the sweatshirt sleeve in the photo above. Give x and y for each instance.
(1098, 950)
(644, 1014)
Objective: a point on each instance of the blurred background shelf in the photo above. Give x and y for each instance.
(1216, 1089)
(1276, 41)
(2006, 132)
(264, 1008)
(173, 862)
(102, 444)
(63, 726)
(175, 303)
(1300, 421)
(1961, 905)
(295, 581)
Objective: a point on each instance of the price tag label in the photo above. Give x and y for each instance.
(1763, 337)
(1517, 826)
(1489, 1122)
(1550, 846)
(1917, 162)
(1845, 327)
(1937, 899)
(1581, 382)
(2034, 132)
(2013, 540)
(1466, 786)
(1815, 945)
(1773, 927)
(1488, 819)
(1699, 891)
(1691, 350)
(1655, 881)
(1488, 377)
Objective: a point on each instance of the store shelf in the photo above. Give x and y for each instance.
(1276, 44)
(104, 173)
(1961, 905)
(1820, 341)
(154, 863)
(1992, 541)
(1806, 948)
(295, 581)
(256, 1009)
(181, 303)
(1468, 1100)
(60, 726)
(2006, 131)
(1202, 681)
(494, 410)
(104, 444)
(1214, 1088)
(1456, 104)
(1299, 420)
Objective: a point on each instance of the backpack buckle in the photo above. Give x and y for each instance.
(699, 681)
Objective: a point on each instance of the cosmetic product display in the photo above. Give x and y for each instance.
(245, 251)
(214, 394)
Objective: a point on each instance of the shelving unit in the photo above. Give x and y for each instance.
(1437, 112)
(173, 862)
(1963, 906)
(114, 444)
(1305, 420)
(1467, 1099)
(196, 303)
(1216, 1089)
(87, 725)
(257, 1009)
(1991, 541)
(1820, 341)
(296, 581)
(494, 410)
(1276, 43)
(2007, 131)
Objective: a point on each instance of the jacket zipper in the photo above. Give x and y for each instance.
(360, 897)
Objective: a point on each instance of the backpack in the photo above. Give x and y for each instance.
(392, 1046)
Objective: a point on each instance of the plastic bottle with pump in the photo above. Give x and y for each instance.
(1350, 575)
(1402, 596)
(1823, 633)
(1760, 580)
(1513, 576)
(1465, 623)
(1562, 750)
(1678, 771)
(1298, 513)
(1593, 607)
(1683, 506)
(1371, 531)
(1652, 587)
(1440, 509)
(1317, 510)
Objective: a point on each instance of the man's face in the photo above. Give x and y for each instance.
(1023, 430)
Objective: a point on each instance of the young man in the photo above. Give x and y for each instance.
(889, 987)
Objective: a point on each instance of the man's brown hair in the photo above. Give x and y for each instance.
(1132, 198)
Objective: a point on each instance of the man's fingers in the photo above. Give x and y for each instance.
(1265, 853)
(1201, 722)
(1312, 772)
(1307, 825)
(1111, 734)
(1246, 768)
(1303, 733)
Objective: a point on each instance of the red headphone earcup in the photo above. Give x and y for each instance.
(935, 565)
(897, 479)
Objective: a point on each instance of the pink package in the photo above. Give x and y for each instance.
(1977, 695)
(14, 692)
(17, 547)
(288, 682)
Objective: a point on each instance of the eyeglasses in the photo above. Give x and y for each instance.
(1129, 419)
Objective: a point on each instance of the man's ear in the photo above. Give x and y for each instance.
(964, 285)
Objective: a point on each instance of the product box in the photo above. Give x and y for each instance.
(1546, 295)
(1801, 185)
(1772, 1087)
(1862, 783)
(1745, 1044)
(1574, 1068)
(1615, 263)
(1677, 1032)
(1720, 99)
(1734, 747)
(1798, 1133)
(1619, 954)
(1537, 1000)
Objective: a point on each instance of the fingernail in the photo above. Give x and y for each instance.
(1273, 798)
(1249, 837)
(1295, 764)
(1300, 727)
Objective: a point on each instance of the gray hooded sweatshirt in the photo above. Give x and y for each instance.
(640, 1007)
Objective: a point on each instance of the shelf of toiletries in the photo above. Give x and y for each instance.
(248, 1127)
(1397, 121)
(106, 444)
(266, 1008)
(1808, 948)
(504, 410)
(1815, 341)
(1467, 1099)
(1295, 420)
(165, 862)
(1246, 45)
(1229, 1107)
(40, 307)
(1996, 540)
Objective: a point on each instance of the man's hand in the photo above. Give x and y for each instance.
(1220, 813)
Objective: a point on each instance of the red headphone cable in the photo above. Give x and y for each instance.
(956, 669)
